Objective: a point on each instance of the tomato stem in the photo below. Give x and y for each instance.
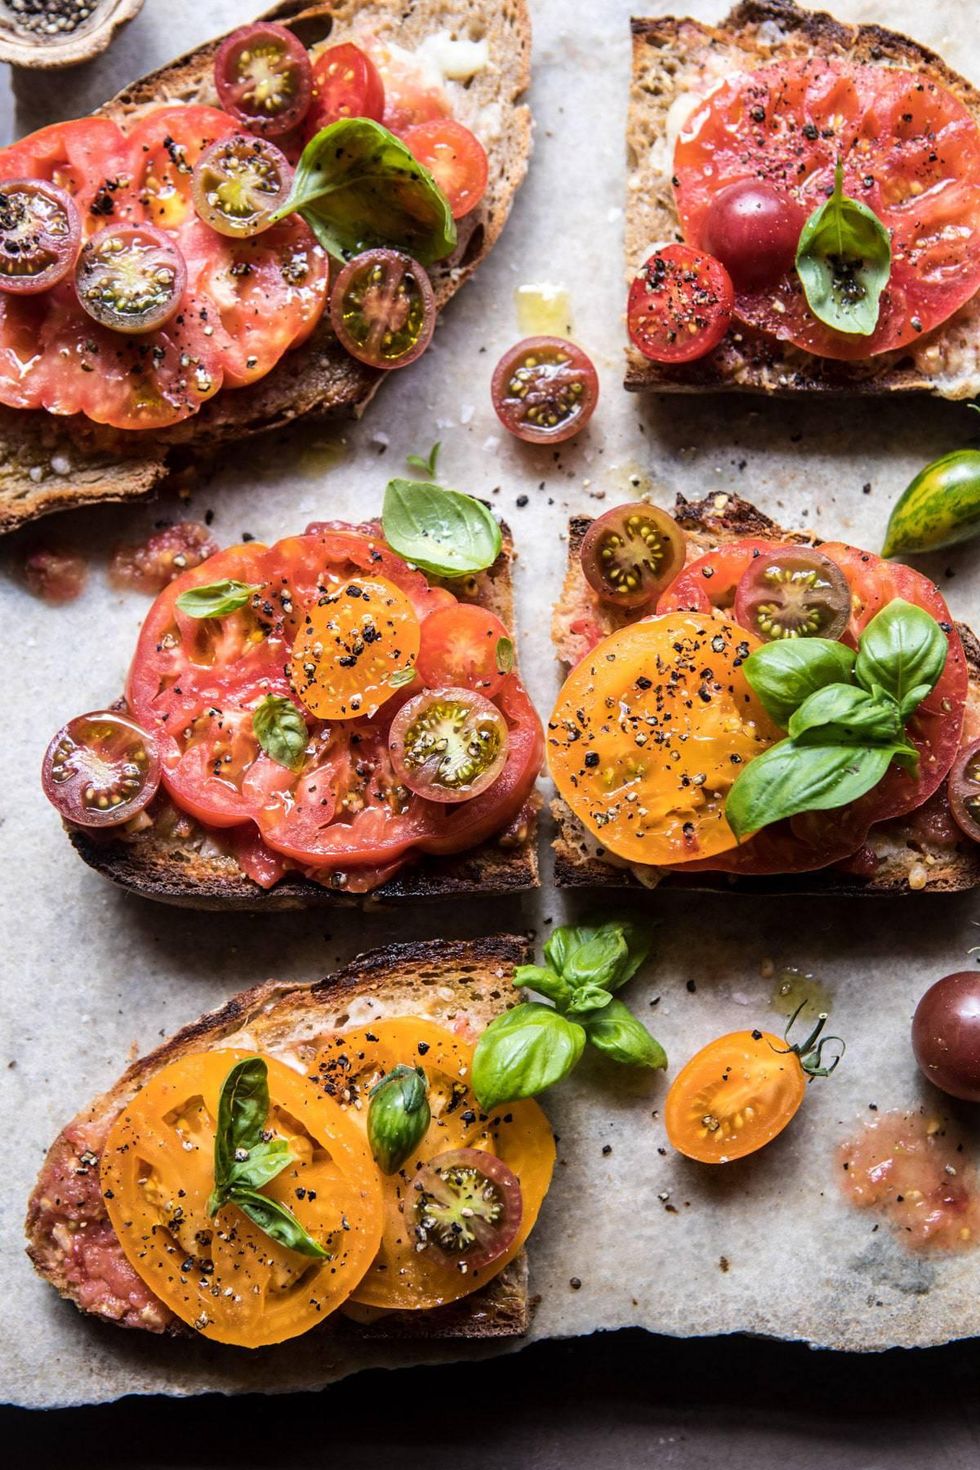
(809, 1052)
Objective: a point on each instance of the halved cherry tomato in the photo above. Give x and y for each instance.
(650, 732)
(733, 1097)
(410, 97)
(448, 744)
(680, 305)
(101, 769)
(131, 278)
(346, 83)
(467, 1209)
(355, 647)
(166, 146)
(461, 646)
(455, 158)
(224, 1276)
(793, 592)
(712, 580)
(382, 308)
(544, 390)
(238, 182)
(264, 78)
(964, 791)
(40, 233)
(347, 1065)
(631, 553)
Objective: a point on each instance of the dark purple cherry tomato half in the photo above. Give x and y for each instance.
(631, 553)
(130, 277)
(680, 305)
(264, 78)
(448, 744)
(946, 1035)
(754, 231)
(468, 1207)
(382, 308)
(238, 182)
(544, 390)
(40, 235)
(964, 790)
(793, 592)
(101, 769)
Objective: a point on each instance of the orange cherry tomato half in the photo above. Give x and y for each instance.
(680, 305)
(733, 1097)
(223, 1275)
(461, 646)
(354, 649)
(100, 770)
(544, 390)
(455, 158)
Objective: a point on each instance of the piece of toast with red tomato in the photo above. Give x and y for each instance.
(202, 185)
(139, 1217)
(729, 722)
(734, 217)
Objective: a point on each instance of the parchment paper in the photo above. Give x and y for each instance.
(89, 973)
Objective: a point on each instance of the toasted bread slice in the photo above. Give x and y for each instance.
(452, 983)
(922, 851)
(49, 463)
(677, 60)
(193, 872)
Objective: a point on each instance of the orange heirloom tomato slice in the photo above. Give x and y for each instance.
(223, 1275)
(347, 1066)
(651, 730)
(733, 1097)
(355, 647)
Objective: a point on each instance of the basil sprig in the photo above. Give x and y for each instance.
(398, 1117)
(844, 715)
(280, 729)
(245, 1160)
(358, 186)
(534, 1045)
(443, 532)
(844, 260)
(216, 599)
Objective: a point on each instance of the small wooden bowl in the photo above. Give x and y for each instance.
(67, 48)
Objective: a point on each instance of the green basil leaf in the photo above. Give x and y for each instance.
(588, 998)
(243, 1106)
(786, 673)
(425, 467)
(522, 1052)
(280, 729)
(792, 777)
(545, 982)
(843, 713)
(844, 260)
(901, 649)
(617, 1033)
(358, 186)
(505, 655)
(264, 1162)
(398, 1117)
(280, 1224)
(215, 600)
(605, 954)
(401, 677)
(441, 531)
(911, 701)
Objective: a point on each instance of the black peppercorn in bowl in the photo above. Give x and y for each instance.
(56, 33)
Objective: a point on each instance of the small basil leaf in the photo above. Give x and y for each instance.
(522, 1052)
(606, 954)
(425, 467)
(280, 1224)
(441, 531)
(842, 713)
(844, 260)
(281, 730)
(263, 1163)
(358, 186)
(588, 998)
(901, 649)
(617, 1033)
(401, 677)
(243, 1106)
(792, 777)
(215, 600)
(398, 1117)
(545, 982)
(786, 673)
(505, 655)
(912, 700)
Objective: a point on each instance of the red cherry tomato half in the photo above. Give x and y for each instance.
(100, 770)
(964, 791)
(382, 308)
(264, 78)
(544, 390)
(40, 232)
(130, 277)
(448, 744)
(631, 553)
(793, 592)
(461, 646)
(346, 83)
(238, 183)
(754, 230)
(680, 305)
(467, 1206)
(455, 158)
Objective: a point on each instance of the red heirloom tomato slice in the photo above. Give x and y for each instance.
(544, 390)
(712, 580)
(346, 83)
(40, 232)
(264, 78)
(101, 769)
(461, 645)
(88, 158)
(166, 146)
(910, 151)
(680, 305)
(455, 158)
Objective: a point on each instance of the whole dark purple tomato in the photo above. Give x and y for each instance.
(754, 231)
(946, 1035)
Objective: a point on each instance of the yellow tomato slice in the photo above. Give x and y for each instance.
(223, 1275)
(354, 641)
(650, 731)
(348, 1066)
(733, 1097)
